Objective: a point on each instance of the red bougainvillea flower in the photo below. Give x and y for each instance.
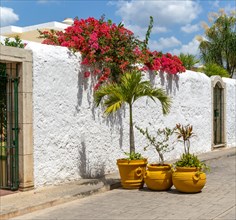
(110, 49)
(86, 74)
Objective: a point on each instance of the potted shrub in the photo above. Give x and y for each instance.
(113, 96)
(158, 175)
(189, 176)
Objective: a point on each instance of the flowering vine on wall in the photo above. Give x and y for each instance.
(110, 49)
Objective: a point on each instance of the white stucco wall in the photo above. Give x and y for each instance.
(230, 122)
(72, 138)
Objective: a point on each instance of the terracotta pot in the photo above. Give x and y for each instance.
(158, 177)
(132, 172)
(188, 179)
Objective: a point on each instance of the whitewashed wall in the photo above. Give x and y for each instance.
(230, 112)
(72, 138)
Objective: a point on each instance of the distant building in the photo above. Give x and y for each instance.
(30, 33)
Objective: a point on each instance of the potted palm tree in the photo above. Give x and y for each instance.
(158, 175)
(113, 96)
(189, 176)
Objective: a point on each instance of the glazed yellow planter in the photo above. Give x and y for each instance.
(158, 177)
(132, 172)
(188, 179)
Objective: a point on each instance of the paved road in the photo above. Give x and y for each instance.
(216, 201)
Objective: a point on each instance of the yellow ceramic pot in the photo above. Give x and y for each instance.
(158, 177)
(132, 172)
(188, 179)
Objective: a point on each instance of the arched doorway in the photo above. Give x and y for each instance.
(218, 110)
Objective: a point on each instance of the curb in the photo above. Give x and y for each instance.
(49, 204)
(102, 185)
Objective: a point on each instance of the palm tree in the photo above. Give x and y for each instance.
(219, 45)
(188, 60)
(130, 89)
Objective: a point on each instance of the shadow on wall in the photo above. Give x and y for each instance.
(85, 171)
(114, 122)
(168, 80)
(82, 85)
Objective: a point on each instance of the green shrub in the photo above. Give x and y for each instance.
(134, 156)
(17, 42)
(212, 69)
(190, 160)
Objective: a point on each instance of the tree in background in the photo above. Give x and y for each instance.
(219, 44)
(212, 69)
(188, 60)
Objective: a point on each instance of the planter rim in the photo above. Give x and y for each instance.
(131, 162)
(159, 165)
(124, 160)
(190, 169)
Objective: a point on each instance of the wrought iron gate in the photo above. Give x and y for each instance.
(9, 167)
(218, 115)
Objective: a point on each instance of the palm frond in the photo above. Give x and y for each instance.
(110, 96)
(128, 91)
(102, 92)
(146, 89)
(112, 104)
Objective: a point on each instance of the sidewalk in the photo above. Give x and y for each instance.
(25, 202)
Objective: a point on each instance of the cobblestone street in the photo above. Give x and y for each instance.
(216, 201)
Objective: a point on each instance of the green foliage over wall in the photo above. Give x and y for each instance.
(212, 69)
(17, 42)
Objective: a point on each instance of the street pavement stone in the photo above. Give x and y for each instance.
(216, 201)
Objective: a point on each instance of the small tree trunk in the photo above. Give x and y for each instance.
(131, 130)
(185, 149)
(161, 158)
(188, 146)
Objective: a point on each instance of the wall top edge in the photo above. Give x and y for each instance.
(15, 54)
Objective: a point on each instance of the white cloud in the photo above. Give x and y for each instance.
(215, 4)
(191, 48)
(164, 43)
(7, 16)
(141, 31)
(229, 8)
(165, 13)
(188, 28)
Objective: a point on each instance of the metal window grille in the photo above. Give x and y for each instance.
(9, 167)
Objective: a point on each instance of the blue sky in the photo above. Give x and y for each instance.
(176, 22)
